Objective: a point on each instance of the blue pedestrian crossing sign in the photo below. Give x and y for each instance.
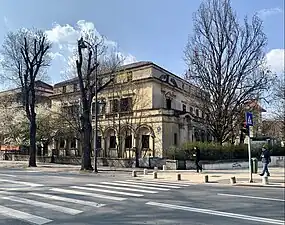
(249, 121)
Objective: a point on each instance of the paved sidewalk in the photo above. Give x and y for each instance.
(277, 178)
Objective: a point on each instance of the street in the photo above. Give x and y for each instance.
(32, 197)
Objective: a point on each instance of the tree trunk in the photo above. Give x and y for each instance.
(33, 147)
(86, 145)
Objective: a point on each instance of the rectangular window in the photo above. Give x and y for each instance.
(125, 104)
(75, 87)
(61, 143)
(114, 105)
(197, 112)
(129, 76)
(191, 109)
(168, 103)
(64, 89)
(128, 141)
(99, 142)
(112, 142)
(73, 143)
(93, 110)
(145, 141)
(183, 108)
(175, 139)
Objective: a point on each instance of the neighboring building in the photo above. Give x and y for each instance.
(147, 108)
(43, 92)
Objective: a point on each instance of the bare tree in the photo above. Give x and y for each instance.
(25, 54)
(88, 66)
(225, 59)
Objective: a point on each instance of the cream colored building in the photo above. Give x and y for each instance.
(147, 109)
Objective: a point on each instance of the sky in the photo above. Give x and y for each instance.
(141, 30)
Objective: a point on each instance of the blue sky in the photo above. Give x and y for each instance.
(152, 30)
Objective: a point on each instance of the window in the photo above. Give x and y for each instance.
(112, 142)
(100, 81)
(114, 105)
(175, 139)
(145, 141)
(75, 87)
(128, 141)
(93, 110)
(129, 76)
(99, 142)
(125, 104)
(191, 109)
(64, 89)
(73, 143)
(61, 143)
(197, 112)
(102, 108)
(183, 108)
(168, 103)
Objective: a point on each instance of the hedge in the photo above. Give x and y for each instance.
(212, 151)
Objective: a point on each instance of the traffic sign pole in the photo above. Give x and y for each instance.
(249, 123)
(249, 158)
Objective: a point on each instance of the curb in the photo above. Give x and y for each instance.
(259, 186)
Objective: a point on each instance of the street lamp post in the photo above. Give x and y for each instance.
(96, 113)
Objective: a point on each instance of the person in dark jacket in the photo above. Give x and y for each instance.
(265, 159)
(197, 156)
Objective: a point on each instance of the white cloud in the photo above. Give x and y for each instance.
(275, 60)
(64, 39)
(264, 13)
(6, 20)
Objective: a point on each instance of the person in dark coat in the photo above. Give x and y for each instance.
(265, 159)
(197, 156)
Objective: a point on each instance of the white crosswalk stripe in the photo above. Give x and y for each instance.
(122, 183)
(21, 182)
(117, 190)
(43, 205)
(108, 191)
(8, 212)
(122, 188)
(181, 184)
(71, 200)
(67, 191)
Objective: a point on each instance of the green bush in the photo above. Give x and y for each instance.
(209, 151)
(213, 151)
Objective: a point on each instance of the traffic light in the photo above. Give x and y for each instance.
(245, 128)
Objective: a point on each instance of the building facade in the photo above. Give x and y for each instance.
(146, 110)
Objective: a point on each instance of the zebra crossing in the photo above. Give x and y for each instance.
(72, 200)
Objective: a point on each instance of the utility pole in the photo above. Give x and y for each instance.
(96, 112)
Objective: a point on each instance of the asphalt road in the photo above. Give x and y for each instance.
(114, 198)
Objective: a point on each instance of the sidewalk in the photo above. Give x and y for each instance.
(53, 167)
(277, 178)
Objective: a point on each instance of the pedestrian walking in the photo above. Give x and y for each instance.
(265, 159)
(197, 156)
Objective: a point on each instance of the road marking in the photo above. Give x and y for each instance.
(23, 216)
(71, 200)
(122, 183)
(7, 175)
(87, 194)
(121, 188)
(148, 184)
(218, 213)
(107, 191)
(165, 184)
(253, 197)
(22, 182)
(43, 205)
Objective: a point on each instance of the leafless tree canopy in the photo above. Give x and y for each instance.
(225, 58)
(26, 56)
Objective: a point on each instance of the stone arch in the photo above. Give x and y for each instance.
(127, 141)
(145, 139)
(146, 126)
(111, 142)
